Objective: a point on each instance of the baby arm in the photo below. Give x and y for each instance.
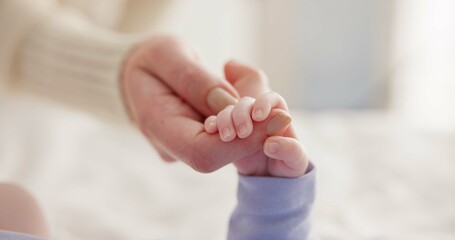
(276, 185)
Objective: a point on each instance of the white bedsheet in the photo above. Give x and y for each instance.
(376, 178)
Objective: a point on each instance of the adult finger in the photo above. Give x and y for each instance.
(173, 61)
(247, 80)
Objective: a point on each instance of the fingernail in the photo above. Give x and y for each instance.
(258, 113)
(241, 129)
(271, 147)
(212, 124)
(278, 124)
(225, 133)
(218, 99)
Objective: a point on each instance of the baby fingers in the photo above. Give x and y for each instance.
(263, 106)
(291, 158)
(210, 124)
(242, 117)
(225, 124)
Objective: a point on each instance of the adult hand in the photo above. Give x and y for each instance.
(169, 93)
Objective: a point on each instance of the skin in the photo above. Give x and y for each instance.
(282, 156)
(19, 212)
(165, 87)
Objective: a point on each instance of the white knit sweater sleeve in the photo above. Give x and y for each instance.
(58, 53)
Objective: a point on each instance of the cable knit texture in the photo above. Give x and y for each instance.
(56, 52)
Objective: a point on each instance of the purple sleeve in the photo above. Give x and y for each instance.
(273, 208)
(7, 235)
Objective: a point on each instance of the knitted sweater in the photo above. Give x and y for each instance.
(57, 50)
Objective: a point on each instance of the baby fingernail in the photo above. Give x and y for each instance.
(211, 125)
(219, 98)
(210, 120)
(225, 133)
(258, 113)
(278, 124)
(271, 147)
(241, 130)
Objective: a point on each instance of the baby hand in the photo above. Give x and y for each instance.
(282, 154)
